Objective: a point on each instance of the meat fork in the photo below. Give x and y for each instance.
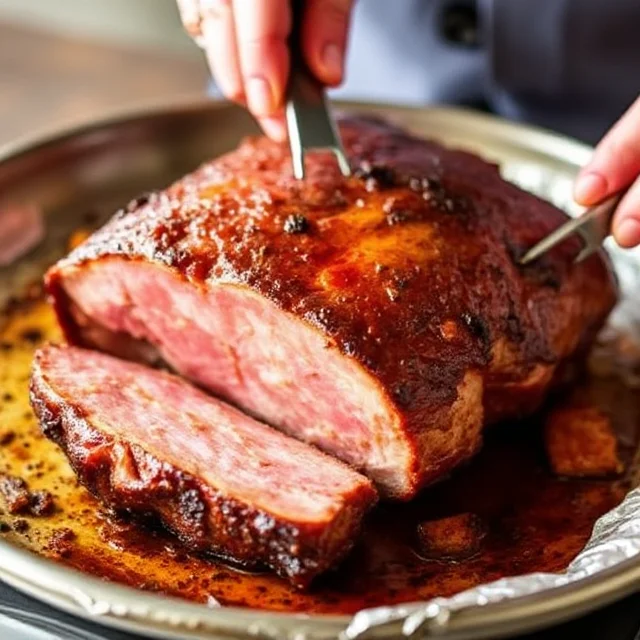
(594, 225)
(309, 122)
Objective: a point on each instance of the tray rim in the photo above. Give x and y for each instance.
(130, 609)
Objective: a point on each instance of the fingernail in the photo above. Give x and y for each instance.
(628, 233)
(274, 128)
(332, 61)
(259, 96)
(590, 188)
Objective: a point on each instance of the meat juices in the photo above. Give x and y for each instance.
(149, 443)
(383, 317)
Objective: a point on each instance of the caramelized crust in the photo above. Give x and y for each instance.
(408, 268)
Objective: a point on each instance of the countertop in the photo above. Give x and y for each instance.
(48, 82)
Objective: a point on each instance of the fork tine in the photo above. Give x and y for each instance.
(585, 252)
(297, 159)
(343, 163)
(295, 141)
(593, 226)
(549, 242)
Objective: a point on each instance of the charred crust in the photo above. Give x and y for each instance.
(403, 394)
(21, 526)
(397, 216)
(477, 327)
(20, 500)
(426, 183)
(376, 177)
(42, 503)
(296, 223)
(192, 509)
(542, 271)
(515, 329)
(61, 542)
(138, 202)
(15, 492)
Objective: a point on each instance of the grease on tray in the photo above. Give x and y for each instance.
(531, 520)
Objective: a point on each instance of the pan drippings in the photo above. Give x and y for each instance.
(509, 514)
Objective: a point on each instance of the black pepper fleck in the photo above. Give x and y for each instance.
(403, 394)
(476, 326)
(6, 438)
(21, 526)
(296, 223)
(375, 176)
(33, 336)
(137, 202)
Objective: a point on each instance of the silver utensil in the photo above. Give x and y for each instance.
(594, 226)
(309, 121)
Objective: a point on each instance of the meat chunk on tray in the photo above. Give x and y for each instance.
(147, 442)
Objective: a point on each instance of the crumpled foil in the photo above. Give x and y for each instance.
(615, 537)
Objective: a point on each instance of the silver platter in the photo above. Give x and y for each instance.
(113, 160)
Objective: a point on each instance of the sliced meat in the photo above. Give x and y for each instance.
(580, 442)
(148, 442)
(383, 317)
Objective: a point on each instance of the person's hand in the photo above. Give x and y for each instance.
(246, 45)
(615, 165)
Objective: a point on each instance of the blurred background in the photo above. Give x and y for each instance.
(67, 61)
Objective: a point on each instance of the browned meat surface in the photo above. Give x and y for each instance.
(383, 318)
(148, 442)
(580, 441)
(454, 538)
(19, 499)
(15, 493)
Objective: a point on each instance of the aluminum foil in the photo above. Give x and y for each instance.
(615, 537)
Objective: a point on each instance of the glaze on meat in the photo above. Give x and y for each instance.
(383, 317)
(147, 442)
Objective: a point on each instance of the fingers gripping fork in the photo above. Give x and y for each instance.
(309, 122)
(593, 226)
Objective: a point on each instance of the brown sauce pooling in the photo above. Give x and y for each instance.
(531, 520)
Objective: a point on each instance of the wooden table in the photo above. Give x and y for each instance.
(48, 82)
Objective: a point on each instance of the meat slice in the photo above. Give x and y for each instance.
(148, 442)
(383, 317)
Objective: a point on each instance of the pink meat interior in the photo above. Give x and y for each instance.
(179, 424)
(244, 349)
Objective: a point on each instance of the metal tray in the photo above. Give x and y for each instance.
(115, 159)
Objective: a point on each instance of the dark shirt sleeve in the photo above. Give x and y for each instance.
(572, 49)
